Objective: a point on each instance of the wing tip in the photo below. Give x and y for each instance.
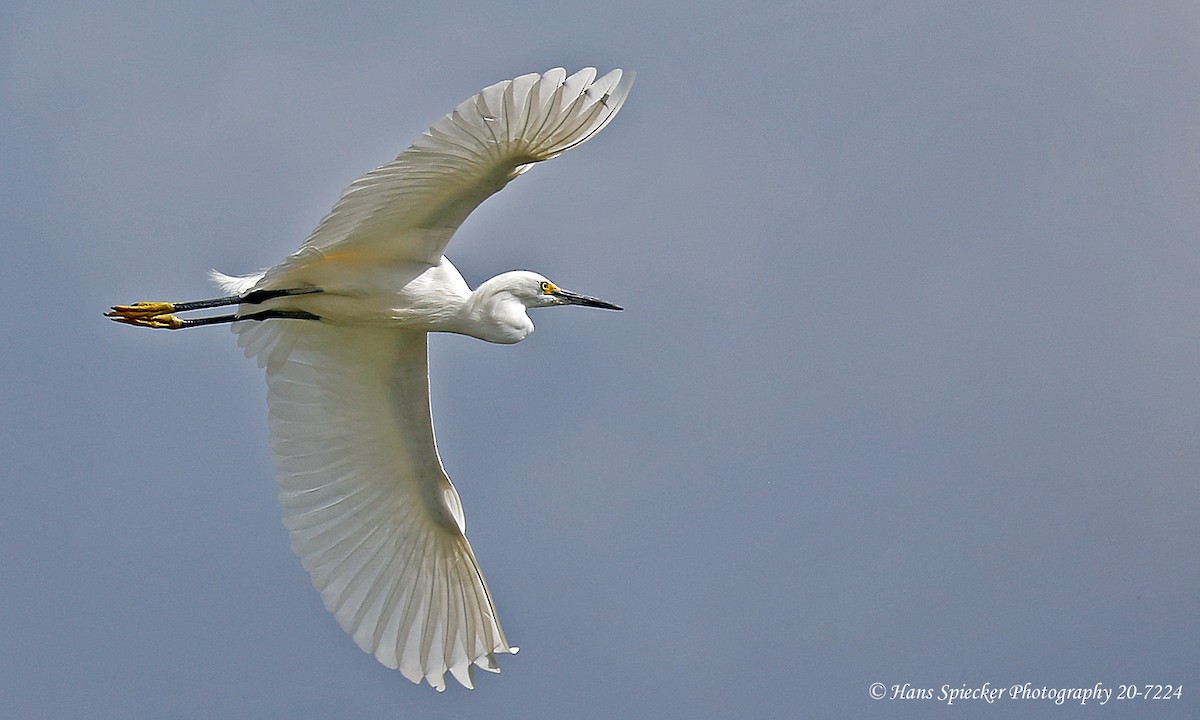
(462, 670)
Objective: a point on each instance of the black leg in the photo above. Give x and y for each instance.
(159, 314)
(262, 315)
(260, 296)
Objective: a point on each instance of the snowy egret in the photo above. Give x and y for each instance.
(341, 328)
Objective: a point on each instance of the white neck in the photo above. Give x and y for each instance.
(493, 313)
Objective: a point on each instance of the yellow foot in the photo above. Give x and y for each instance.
(141, 309)
(146, 314)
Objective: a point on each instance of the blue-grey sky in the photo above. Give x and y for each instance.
(905, 390)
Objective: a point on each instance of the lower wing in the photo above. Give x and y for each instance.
(371, 512)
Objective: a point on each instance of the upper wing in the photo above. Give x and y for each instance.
(409, 208)
(370, 510)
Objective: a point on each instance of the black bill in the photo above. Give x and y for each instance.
(570, 298)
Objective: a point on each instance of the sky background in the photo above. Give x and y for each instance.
(905, 390)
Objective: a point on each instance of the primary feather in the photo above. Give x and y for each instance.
(408, 209)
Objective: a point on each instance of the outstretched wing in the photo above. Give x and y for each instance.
(409, 208)
(371, 513)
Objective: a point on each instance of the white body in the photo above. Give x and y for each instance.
(371, 512)
(408, 295)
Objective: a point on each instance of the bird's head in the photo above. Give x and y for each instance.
(497, 309)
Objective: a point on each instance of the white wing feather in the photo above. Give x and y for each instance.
(408, 209)
(371, 513)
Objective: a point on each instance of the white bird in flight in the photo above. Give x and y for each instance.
(341, 327)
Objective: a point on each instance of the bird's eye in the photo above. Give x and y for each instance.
(545, 288)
